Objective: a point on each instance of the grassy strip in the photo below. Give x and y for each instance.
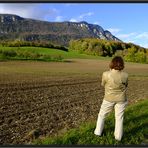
(43, 54)
(135, 130)
(13, 53)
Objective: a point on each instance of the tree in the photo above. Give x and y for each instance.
(130, 57)
(140, 57)
(84, 46)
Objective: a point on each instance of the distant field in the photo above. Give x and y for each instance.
(81, 67)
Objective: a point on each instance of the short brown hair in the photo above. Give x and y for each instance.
(117, 63)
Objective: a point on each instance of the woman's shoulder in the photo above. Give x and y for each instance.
(106, 72)
(124, 73)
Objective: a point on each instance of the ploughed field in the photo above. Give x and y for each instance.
(44, 99)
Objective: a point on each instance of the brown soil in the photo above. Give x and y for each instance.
(46, 98)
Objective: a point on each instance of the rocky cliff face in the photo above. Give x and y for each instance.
(15, 27)
(9, 18)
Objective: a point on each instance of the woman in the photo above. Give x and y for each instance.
(115, 82)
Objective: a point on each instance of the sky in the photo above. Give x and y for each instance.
(127, 21)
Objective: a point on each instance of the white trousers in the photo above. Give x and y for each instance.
(107, 107)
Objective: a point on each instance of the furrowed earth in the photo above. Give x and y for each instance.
(47, 98)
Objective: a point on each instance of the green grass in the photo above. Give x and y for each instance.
(46, 52)
(135, 130)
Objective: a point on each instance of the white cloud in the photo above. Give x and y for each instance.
(70, 4)
(114, 30)
(73, 20)
(97, 23)
(81, 17)
(59, 18)
(135, 37)
(143, 35)
(35, 11)
(128, 35)
(144, 45)
(129, 41)
(85, 15)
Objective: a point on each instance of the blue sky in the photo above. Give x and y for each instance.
(127, 21)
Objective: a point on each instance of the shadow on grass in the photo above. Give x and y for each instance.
(134, 119)
(68, 61)
(135, 129)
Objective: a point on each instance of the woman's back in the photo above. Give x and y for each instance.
(115, 83)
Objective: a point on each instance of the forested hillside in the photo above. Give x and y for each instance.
(130, 52)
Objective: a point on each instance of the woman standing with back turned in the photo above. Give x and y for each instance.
(115, 82)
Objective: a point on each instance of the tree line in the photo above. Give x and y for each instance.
(92, 46)
(44, 44)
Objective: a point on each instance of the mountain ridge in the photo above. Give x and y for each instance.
(14, 27)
